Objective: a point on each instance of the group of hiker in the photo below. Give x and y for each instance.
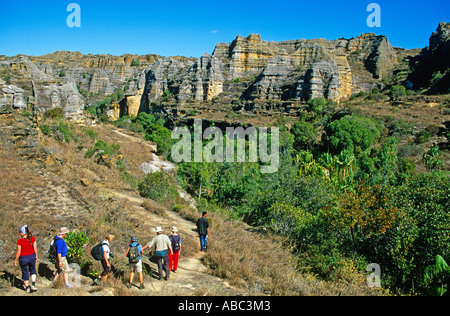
(166, 251)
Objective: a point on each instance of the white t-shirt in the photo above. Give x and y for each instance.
(106, 248)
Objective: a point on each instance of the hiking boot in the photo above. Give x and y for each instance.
(128, 285)
(141, 287)
(33, 289)
(28, 289)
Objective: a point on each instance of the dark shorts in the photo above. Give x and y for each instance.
(106, 270)
(28, 266)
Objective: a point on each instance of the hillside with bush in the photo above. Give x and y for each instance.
(362, 180)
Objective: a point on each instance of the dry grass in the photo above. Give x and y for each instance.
(153, 207)
(18, 177)
(262, 264)
(259, 264)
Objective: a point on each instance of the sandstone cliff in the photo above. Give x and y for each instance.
(291, 70)
(249, 72)
(432, 68)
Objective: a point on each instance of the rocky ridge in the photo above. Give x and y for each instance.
(248, 73)
(433, 63)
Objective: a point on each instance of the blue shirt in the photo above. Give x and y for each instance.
(139, 248)
(61, 246)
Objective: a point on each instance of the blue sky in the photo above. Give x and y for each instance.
(191, 28)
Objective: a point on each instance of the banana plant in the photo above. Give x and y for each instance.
(436, 277)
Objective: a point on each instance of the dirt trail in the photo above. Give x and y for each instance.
(136, 139)
(191, 277)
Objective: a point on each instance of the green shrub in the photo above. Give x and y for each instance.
(317, 105)
(288, 220)
(399, 127)
(76, 242)
(432, 158)
(104, 147)
(433, 129)
(56, 113)
(436, 77)
(45, 129)
(398, 91)
(406, 168)
(436, 277)
(350, 133)
(104, 118)
(145, 119)
(161, 136)
(424, 199)
(63, 131)
(305, 135)
(423, 137)
(157, 186)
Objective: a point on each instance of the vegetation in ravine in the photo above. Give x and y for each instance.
(348, 198)
(346, 193)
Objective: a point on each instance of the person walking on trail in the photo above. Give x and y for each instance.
(134, 254)
(162, 244)
(61, 264)
(174, 256)
(203, 231)
(26, 255)
(107, 254)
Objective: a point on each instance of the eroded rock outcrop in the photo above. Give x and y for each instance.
(248, 70)
(375, 52)
(433, 64)
(289, 70)
(12, 96)
(203, 81)
(63, 94)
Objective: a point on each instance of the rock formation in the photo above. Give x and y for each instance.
(433, 64)
(375, 52)
(249, 71)
(13, 96)
(290, 70)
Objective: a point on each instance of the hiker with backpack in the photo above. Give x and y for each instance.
(174, 256)
(162, 244)
(102, 252)
(26, 255)
(106, 255)
(60, 255)
(134, 254)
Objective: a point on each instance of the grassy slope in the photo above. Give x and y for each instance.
(47, 192)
